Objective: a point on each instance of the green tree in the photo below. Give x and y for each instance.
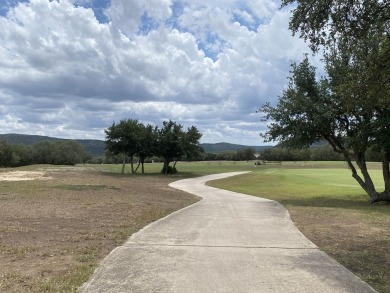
(350, 108)
(6, 154)
(355, 38)
(147, 144)
(174, 143)
(190, 142)
(325, 22)
(324, 153)
(24, 154)
(123, 138)
(246, 154)
(310, 110)
(169, 144)
(68, 152)
(43, 153)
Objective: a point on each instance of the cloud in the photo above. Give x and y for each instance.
(126, 15)
(79, 65)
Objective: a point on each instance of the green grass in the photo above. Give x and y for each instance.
(300, 184)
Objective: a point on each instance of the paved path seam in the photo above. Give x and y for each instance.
(219, 246)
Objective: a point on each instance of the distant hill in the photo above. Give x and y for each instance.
(96, 147)
(92, 146)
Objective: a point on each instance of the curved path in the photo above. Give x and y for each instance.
(227, 242)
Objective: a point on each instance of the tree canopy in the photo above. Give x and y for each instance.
(325, 22)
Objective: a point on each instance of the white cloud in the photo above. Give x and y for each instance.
(126, 14)
(211, 64)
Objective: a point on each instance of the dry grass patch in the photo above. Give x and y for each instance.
(355, 239)
(54, 232)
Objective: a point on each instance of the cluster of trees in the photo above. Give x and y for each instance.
(130, 138)
(245, 154)
(319, 153)
(349, 107)
(61, 152)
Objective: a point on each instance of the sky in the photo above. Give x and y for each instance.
(70, 68)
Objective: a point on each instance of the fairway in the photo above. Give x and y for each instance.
(301, 183)
(331, 209)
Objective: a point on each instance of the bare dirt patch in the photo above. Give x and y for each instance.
(54, 232)
(22, 175)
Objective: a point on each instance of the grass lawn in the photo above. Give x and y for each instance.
(329, 207)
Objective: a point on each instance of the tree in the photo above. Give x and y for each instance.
(43, 153)
(190, 143)
(5, 154)
(246, 154)
(174, 143)
(310, 110)
(68, 152)
(147, 144)
(123, 138)
(23, 154)
(351, 107)
(169, 144)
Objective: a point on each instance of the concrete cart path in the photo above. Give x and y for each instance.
(227, 242)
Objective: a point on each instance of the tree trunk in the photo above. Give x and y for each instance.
(382, 196)
(166, 164)
(367, 183)
(370, 187)
(385, 195)
(132, 164)
(386, 171)
(139, 163)
(123, 164)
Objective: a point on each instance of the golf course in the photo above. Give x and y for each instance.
(58, 225)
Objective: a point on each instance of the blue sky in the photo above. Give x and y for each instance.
(69, 68)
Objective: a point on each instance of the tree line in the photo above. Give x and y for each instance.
(245, 154)
(318, 153)
(130, 139)
(61, 152)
